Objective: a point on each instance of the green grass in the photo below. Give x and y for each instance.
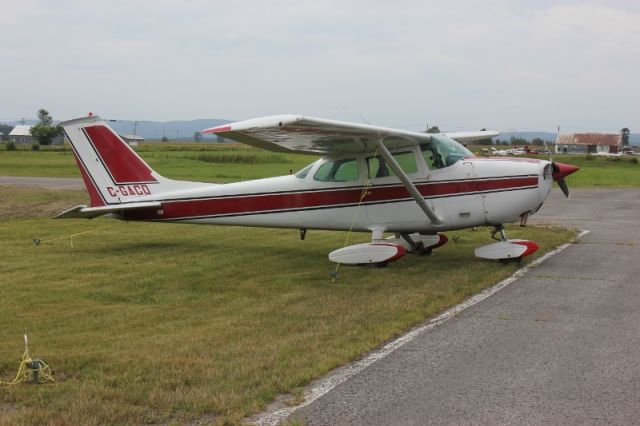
(607, 172)
(200, 162)
(161, 323)
(220, 163)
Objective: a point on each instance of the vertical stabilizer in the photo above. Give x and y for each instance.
(112, 172)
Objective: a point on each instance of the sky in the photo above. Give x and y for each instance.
(461, 65)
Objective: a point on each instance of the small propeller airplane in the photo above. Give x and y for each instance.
(370, 179)
(505, 152)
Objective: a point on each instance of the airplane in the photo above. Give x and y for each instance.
(505, 152)
(412, 185)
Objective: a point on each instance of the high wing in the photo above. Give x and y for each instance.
(307, 135)
(472, 136)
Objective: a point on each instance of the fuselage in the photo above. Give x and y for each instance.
(350, 192)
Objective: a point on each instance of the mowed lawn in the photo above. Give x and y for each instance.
(163, 323)
(204, 162)
(207, 162)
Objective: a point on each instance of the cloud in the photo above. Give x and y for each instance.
(461, 63)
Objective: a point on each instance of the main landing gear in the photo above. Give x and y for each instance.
(419, 243)
(381, 251)
(505, 250)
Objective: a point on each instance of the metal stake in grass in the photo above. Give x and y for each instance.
(33, 370)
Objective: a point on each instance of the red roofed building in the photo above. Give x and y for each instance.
(588, 143)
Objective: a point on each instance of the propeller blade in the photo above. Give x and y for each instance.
(560, 171)
(563, 186)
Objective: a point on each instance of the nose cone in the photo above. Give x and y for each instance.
(561, 170)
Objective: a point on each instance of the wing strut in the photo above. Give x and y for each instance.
(409, 186)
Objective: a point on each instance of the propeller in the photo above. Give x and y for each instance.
(560, 171)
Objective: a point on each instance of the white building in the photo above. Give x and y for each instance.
(132, 140)
(589, 143)
(20, 134)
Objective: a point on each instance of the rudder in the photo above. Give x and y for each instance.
(112, 172)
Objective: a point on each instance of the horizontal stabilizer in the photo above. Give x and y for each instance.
(85, 212)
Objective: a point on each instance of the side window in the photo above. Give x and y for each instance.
(338, 171)
(407, 161)
(378, 168)
(304, 172)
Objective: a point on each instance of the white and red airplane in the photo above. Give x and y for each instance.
(370, 179)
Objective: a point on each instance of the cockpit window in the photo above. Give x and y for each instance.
(378, 168)
(442, 151)
(345, 170)
(304, 172)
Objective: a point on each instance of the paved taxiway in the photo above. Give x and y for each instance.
(42, 182)
(560, 345)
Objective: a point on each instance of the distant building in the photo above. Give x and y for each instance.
(588, 143)
(132, 140)
(20, 134)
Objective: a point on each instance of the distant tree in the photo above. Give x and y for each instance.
(517, 141)
(165, 139)
(197, 136)
(537, 142)
(45, 131)
(625, 136)
(5, 129)
(432, 129)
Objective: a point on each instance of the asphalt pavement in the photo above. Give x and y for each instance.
(41, 182)
(560, 345)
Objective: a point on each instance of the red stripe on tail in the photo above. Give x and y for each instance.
(123, 164)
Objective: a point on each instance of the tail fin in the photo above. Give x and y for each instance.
(112, 172)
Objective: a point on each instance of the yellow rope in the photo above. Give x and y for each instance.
(29, 370)
(38, 241)
(365, 190)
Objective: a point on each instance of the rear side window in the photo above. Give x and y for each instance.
(378, 168)
(338, 171)
(304, 172)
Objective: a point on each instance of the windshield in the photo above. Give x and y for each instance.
(442, 151)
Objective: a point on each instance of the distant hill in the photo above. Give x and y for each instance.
(185, 129)
(529, 136)
(170, 129)
(157, 129)
(634, 138)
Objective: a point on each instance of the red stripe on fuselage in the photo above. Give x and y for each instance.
(123, 165)
(257, 203)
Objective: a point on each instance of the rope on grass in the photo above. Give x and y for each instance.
(30, 370)
(38, 241)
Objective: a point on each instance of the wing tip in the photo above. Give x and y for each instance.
(218, 129)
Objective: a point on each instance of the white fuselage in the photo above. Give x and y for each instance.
(471, 192)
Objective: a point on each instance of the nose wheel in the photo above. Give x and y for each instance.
(505, 250)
